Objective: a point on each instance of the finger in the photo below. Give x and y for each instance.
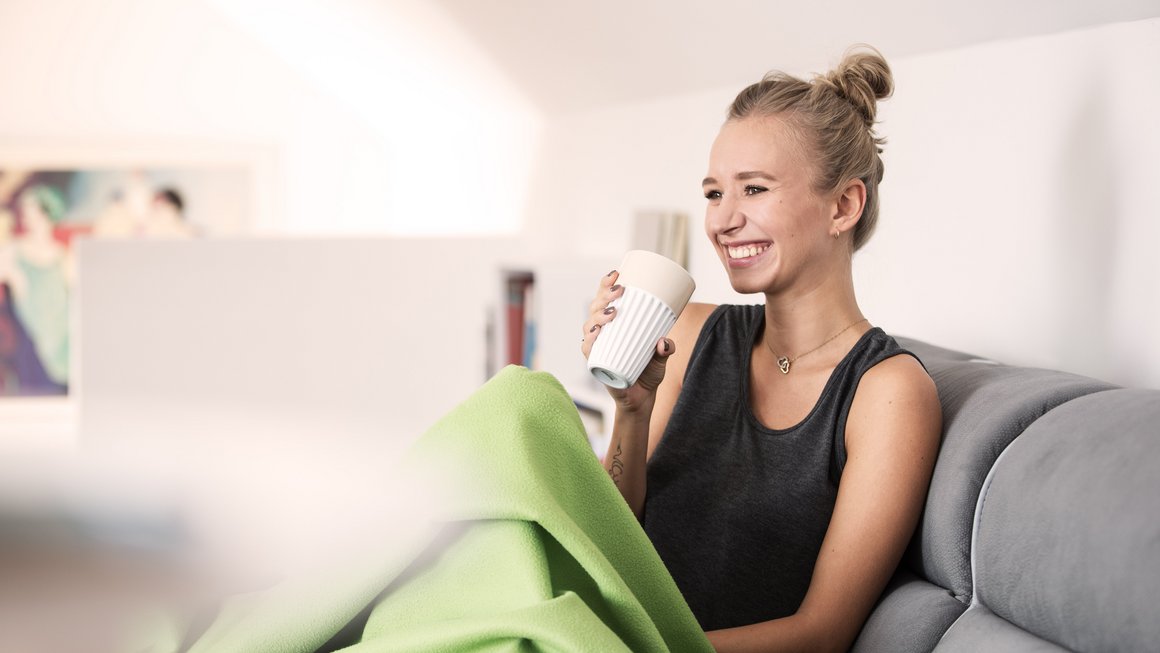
(665, 348)
(593, 326)
(614, 291)
(650, 379)
(598, 303)
(605, 298)
(598, 320)
(607, 280)
(591, 330)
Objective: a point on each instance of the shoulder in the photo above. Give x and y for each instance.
(685, 334)
(896, 395)
(901, 372)
(693, 319)
(697, 317)
(692, 325)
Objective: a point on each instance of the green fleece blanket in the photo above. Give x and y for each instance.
(533, 550)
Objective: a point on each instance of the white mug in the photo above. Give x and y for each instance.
(656, 290)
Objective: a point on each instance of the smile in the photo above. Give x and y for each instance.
(752, 250)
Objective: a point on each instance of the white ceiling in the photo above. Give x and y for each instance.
(575, 55)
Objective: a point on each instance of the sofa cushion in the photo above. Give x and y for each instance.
(1067, 535)
(980, 630)
(985, 406)
(911, 617)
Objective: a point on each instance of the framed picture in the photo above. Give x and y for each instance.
(46, 210)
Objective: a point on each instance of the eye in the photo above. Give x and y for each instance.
(753, 190)
(713, 195)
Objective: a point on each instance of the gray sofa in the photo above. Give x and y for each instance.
(1041, 530)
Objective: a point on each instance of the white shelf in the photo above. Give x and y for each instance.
(562, 293)
(590, 397)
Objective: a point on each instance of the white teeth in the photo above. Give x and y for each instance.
(748, 251)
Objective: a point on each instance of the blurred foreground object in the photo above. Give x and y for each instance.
(531, 542)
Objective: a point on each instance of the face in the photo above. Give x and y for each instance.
(36, 223)
(768, 226)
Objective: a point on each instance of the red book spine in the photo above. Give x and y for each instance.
(515, 322)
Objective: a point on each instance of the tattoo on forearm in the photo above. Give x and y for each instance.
(617, 466)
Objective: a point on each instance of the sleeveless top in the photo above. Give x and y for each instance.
(737, 511)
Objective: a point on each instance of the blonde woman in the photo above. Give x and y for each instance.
(778, 455)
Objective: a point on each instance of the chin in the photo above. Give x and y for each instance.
(747, 284)
(749, 281)
(747, 288)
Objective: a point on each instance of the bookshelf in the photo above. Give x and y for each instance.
(540, 311)
(543, 305)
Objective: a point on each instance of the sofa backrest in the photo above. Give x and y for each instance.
(986, 405)
(1067, 533)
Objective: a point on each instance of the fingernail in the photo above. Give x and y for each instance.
(594, 327)
(615, 288)
(609, 310)
(668, 345)
(610, 273)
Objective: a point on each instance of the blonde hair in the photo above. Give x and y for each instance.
(834, 116)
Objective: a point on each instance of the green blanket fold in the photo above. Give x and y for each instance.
(533, 550)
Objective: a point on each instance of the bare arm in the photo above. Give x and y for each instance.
(640, 422)
(642, 411)
(628, 453)
(892, 439)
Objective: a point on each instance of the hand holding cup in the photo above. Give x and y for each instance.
(645, 296)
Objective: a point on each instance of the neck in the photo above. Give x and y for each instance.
(801, 318)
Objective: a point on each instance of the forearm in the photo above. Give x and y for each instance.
(628, 454)
(785, 635)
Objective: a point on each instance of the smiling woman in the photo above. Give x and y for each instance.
(778, 455)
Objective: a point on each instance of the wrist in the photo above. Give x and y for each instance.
(636, 410)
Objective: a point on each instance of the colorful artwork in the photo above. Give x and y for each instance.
(42, 215)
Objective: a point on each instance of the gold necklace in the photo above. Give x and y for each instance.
(783, 363)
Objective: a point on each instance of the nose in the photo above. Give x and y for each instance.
(724, 218)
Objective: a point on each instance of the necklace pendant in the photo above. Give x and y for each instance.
(783, 365)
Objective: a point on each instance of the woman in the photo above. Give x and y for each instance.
(732, 444)
(44, 274)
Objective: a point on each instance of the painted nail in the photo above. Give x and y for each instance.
(610, 310)
(594, 328)
(610, 273)
(668, 345)
(615, 288)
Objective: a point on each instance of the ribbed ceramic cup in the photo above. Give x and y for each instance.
(655, 292)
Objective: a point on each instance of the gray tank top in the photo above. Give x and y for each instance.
(737, 511)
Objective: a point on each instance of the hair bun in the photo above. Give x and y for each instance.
(862, 78)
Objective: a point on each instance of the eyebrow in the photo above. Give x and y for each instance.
(742, 176)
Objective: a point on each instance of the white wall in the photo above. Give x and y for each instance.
(358, 117)
(272, 383)
(1018, 207)
(371, 338)
(1021, 176)
(352, 117)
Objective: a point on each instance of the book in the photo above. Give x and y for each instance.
(517, 292)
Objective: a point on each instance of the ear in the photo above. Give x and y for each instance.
(848, 205)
